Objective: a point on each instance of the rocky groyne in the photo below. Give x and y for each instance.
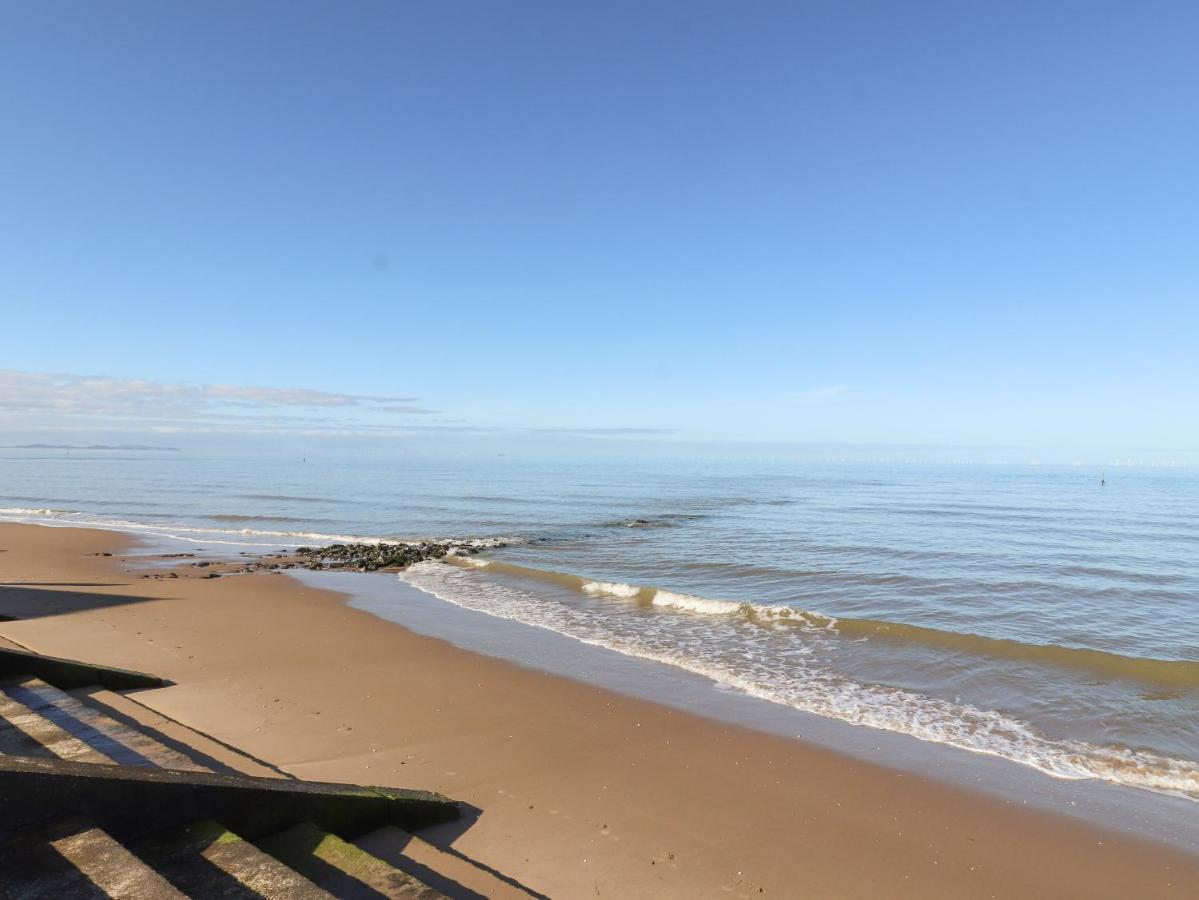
(351, 557)
(372, 557)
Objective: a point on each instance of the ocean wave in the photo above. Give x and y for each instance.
(1171, 674)
(691, 603)
(1164, 673)
(473, 561)
(611, 589)
(802, 685)
(235, 517)
(287, 498)
(249, 537)
(15, 511)
(666, 521)
(77, 518)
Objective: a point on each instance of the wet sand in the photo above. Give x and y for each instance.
(579, 792)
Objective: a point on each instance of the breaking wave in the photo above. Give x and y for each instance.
(612, 589)
(234, 517)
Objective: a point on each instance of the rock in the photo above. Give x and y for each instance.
(372, 557)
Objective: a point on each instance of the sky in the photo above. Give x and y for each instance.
(919, 223)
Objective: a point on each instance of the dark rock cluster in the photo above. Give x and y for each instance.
(345, 557)
(370, 557)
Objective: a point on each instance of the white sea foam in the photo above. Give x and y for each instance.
(760, 611)
(611, 589)
(720, 645)
(694, 604)
(706, 605)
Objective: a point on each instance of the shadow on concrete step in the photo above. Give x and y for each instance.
(436, 880)
(133, 801)
(66, 674)
(188, 750)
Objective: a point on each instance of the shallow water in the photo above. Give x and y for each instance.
(1027, 612)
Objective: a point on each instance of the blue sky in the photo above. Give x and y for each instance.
(849, 222)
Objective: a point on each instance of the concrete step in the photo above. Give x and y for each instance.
(346, 871)
(54, 740)
(454, 874)
(71, 673)
(202, 749)
(116, 740)
(141, 799)
(77, 861)
(15, 742)
(207, 860)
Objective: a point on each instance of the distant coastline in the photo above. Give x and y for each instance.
(92, 447)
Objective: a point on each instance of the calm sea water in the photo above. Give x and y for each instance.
(1027, 612)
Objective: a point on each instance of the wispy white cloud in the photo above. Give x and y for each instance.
(304, 397)
(56, 400)
(38, 402)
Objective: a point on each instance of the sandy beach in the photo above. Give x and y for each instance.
(576, 791)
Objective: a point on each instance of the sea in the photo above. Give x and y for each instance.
(1046, 615)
